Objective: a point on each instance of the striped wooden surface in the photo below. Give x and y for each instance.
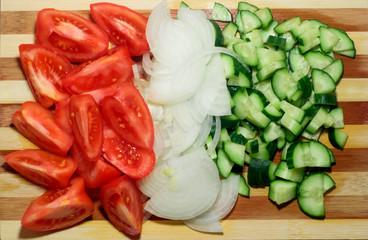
(253, 218)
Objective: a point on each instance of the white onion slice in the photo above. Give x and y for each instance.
(191, 190)
(216, 136)
(224, 203)
(214, 227)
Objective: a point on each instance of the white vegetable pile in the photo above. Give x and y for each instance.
(186, 92)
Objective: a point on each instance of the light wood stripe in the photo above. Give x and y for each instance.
(233, 229)
(15, 92)
(10, 139)
(347, 184)
(349, 89)
(12, 41)
(35, 5)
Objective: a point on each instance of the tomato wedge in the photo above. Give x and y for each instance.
(38, 125)
(44, 68)
(111, 69)
(59, 207)
(75, 37)
(86, 125)
(136, 162)
(95, 174)
(122, 202)
(128, 115)
(123, 25)
(42, 167)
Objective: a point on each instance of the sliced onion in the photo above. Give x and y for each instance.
(214, 227)
(159, 143)
(192, 189)
(216, 136)
(205, 130)
(224, 203)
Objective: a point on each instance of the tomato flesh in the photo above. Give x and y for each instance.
(72, 206)
(44, 69)
(111, 69)
(128, 115)
(42, 167)
(86, 125)
(75, 37)
(122, 202)
(95, 174)
(38, 125)
(136, 162)
(124, 26)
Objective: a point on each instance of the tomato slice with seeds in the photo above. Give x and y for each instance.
(113, 68)
(124, 26)
(75, 37)
(38, 125)
(86, 125)
(62, 116)
(122, 202)
(128, 115)
(44, 69)
(42, 167)
(59, 207)
(95, 174)
(136, 162)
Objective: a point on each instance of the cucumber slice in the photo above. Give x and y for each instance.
(247, 6)
(322, 82)
(345, 43)
(265, 16)
(325, 99)
(247, 52)
(183, 5)
(221, 13)
(219, 38)
(269, 30)
(282, 191)
(223, 163)
(337, 138)
(250, 21)
(276, 41)
(255, 37)
(244, 189)
(310, 195)
(318, 60)
(288, 25)
(335, 70)
(235, 152)
(328, 39)
(338, 115)
(298, 62)
(290, 41)
(282, 82)
(293, 174)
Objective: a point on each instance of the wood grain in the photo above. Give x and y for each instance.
(252, 218)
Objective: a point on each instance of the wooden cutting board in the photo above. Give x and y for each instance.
(253, 218)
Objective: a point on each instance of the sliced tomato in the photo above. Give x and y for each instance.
(136, 162)
(62, 116)
(128, 115)
(95, 174)
(124, 26)
(77, 38)
(100, 94)
(86, 125)
(59, 207)
(38, 125)
(122, 202)
(113, 68)
(42, 167)
(44, 69)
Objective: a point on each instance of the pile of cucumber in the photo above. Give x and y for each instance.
(282, 103)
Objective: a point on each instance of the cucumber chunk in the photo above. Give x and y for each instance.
(282, 191)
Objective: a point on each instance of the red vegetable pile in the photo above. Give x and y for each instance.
(90, 122)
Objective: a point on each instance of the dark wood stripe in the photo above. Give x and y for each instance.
(353, 68)
(355, 113)
(257, 207)
(6, 111)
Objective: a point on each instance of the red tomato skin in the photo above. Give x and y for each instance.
(95, 174)
(113, 68)
(62, 116)
(42, 167)
(38, 125)
(124, 26)
(122, 202)
(44, 69)
(59, 207)
(86, 125)
(136, 162)
(74, 36)
(128, 115)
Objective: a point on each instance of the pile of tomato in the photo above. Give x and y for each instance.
(92, 126)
